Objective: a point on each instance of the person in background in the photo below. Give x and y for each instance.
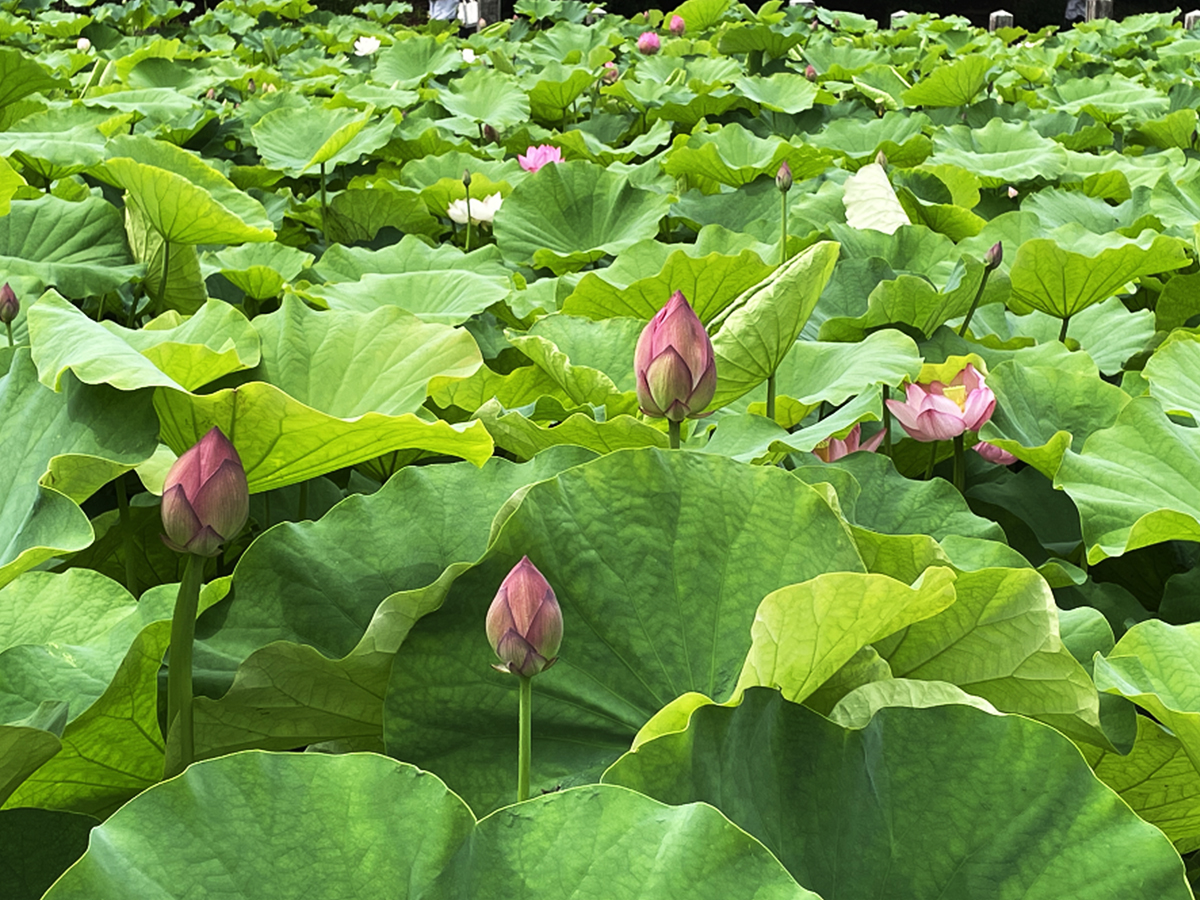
(443, 9)
(1076, 11)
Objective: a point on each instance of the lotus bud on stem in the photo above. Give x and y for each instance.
(675, 366)
(991, 262)
(525, 628)
(9, 307)
(466, 180)
(205, 503)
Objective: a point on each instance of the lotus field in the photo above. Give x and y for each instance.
(718, 454)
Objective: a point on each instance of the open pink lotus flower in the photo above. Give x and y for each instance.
(524, 623)
(994, 454)
(205, 499)
(674, 363)
(938, 412)
(536, 157)
(832, 449)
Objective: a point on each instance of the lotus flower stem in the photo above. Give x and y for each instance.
(673, 429)
(179, 672)
(771, 396)
(932, 460)
(525, 741)
(126, 536)
(324, 205)
(887, 422)
(960, 474)
(962, 329)
(162, 283)
(8, 326)
(1062, 332)
(783, 234)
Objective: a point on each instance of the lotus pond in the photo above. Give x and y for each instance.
(832, 392)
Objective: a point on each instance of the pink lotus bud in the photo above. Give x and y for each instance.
(466, 179)
(611, 73)
(536, 157)
(783, 178)
(490, 134)
(648, 43)
(994, 454)
(994, 256)
(205, 499)
(938, 412)
(1013, 193)
(524, 622)
(674, 363)
(881, 159)
(9, 305)
(810, 73)
(832, 449)
(210, 94)
(677, 26)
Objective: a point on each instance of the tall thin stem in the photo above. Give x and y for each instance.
(887, 421)
(162, 283)
(468, 247)
(783, 234)
(8, 325)
(324, 206)
(179, 672)
(1062, 332)
(960, 469)
(525, 742)
(962, 329)
(673, 429)
(771, 396)
(131, 584)
(932, 460)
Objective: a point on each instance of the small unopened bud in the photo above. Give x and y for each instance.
(881, 159)
(1013, 193)
(250, 87)
(783, 178)
(524, 622)
(83, 45)
(677, 26)
(648, 43)
(837, 23)
(9, 305)
(205, 498)
(674, 363)
(994, 256)
(611, 73)
(810, 73)
(490, 134)
(466, 178)
(210, 94)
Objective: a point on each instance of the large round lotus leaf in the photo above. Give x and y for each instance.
(447, 298)
(58, 143)
(1136, 483)
(296, 141)
(325, 827)
(948, 801)
(659, 561)
(568, 215)
(952, 84)
(1001, 152)
(411, 61)
(20, 76)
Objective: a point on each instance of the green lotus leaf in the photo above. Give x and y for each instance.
(411, 61)
(521, 387)
(700, 15)
(358, 215)
(183, 289)
(710, 284)
(445, 298)
(973, 790)
(755, 438)
(760, 327)
(79, 248)
(899, 137)
(185, 200)
(735, 156)
(260, 270)
(484, 95)
(784, 92)
(671, 609)
(348, 806)
(1174, 375)
(429, 170)
(58, 143)
(952, 84)
(22, 76)
(1134, 483)
(1154, 665)
(606, 345)
(1048, 404)
(410, 254)
(856, 709)
(1000, 152)
(804, 633)
(1157, 780)
(553, 90)
(583, 385)
(568, 215)
(1001, 641)
(169, 352)
(1061, 278)
(39, 845)
(297, 140)
(71, 443)
(156, 104)
(1107, 98)
(1178, 302)
(914, 249)
(525, 438)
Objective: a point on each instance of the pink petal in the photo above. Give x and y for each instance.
(873, 442)
(936, 425)
(670, 381)
(223, 501)
(994, 454)
(980, 405)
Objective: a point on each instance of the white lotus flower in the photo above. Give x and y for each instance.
(365, 46)
(481, 210)
(468, 55)
(83, 45)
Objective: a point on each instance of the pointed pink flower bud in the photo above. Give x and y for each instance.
(677, 26)
(994, 256)
(938, 412)
(611, 73)
(524, 622)
(832, 449)
(810, 73)
(783, 178)
(491, 135)
(648, 43)
(994, 454)
(9, 305)
(205, 499)
(674, 363)
(536, 157)
(1013, 193)
(210, 94)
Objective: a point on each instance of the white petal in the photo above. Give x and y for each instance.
(871, 202)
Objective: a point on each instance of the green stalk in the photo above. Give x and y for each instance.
(673, 429)
(962, 329)
(887, 421)
(179, 672)
(932, 460)
(783, 230)
(960, 469)
(126, 536)
(162, 284)
(526, 738)
(771, 396)
(324, 205)
(1062, 332)
(468, 247)
(8, 325)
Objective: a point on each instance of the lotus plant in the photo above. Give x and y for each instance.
(477, 211)
(832, 449)
(994, 454)
(365, 46)
(525, 628)
(991, 262)
(677, 26)
(205, 503)
(939, 412)
(536, 157)
(648, 43)
(675, 366)
(9, 307)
